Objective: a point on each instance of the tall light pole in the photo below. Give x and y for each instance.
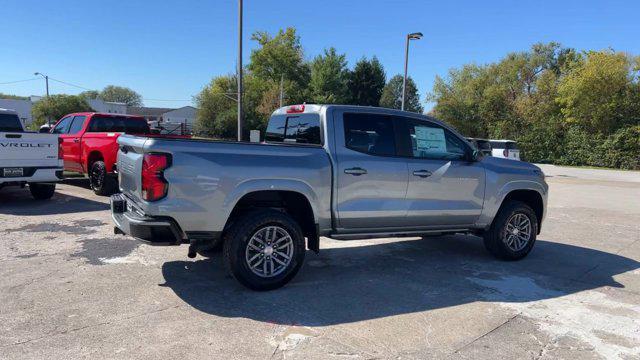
(46, 81)
(412, 36)
(239, 70)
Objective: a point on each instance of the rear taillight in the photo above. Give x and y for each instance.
(505, 153)
(60, 151)
(154, 185)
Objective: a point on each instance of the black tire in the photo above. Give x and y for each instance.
(100, 181)
(236, 241)
(495, 239)
(42, 191)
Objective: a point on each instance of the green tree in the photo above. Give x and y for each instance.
(217, 108)
(121, 94)
(57, 106)
(329, 76)
(90, 94)
(280, 57)
(12, 97)
(366, 82)
(392, 95)
(600, 94)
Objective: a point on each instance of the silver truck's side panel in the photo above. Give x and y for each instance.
(504, 176)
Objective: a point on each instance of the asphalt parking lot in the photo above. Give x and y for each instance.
(69, 288)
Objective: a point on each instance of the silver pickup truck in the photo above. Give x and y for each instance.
(344, 172)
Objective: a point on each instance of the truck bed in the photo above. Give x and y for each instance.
(211, 174)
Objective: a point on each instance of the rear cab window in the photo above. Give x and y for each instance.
(122, 124)
(10, 123)
(510, 145)
(294, 128)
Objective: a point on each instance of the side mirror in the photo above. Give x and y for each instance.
(44, 129)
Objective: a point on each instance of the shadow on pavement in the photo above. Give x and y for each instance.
(343, 285)
(17, 201)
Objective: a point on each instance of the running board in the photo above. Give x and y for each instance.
(396, 234)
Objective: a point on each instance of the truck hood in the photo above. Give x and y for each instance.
(497, 164)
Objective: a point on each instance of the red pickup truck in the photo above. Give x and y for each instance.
(89, 145)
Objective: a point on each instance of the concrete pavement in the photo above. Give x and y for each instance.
(69, 288)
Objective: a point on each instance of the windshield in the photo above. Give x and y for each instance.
(123, 124)
(10, 123)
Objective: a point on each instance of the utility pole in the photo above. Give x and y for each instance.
(240, 70)
(412, 36)
(46, 81)
(281, 89)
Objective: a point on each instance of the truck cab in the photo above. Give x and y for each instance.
(89, 144)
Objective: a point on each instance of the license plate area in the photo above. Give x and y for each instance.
(13, 172)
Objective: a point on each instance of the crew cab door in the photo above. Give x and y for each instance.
(66, 141)
(445, 187)
(371, 179)
(75, 142)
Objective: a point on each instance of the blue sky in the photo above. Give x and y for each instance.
(168, 50)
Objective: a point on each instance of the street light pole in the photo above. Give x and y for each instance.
(239, 70)
(412, 36)
(46, 81)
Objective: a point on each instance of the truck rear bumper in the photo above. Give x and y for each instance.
(148, 229)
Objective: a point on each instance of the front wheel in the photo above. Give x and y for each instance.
(513, 232)
(101, 183)
(42, 191)
(264, 249)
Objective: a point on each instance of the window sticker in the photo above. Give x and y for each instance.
(430, 140)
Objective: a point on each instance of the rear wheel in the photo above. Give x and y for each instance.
(264, 249)
(513, 232)
(42, 191)
(101, 182)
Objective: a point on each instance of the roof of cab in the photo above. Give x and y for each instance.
(7, 111)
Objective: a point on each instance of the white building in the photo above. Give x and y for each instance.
(107, 106)
(171, 121)
(22, 107)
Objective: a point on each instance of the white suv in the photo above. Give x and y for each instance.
(507, 149)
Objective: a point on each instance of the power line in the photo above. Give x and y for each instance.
(88, 89)
(70, 84)
(18, 81)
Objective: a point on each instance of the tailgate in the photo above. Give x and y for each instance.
(28, 149)
(130, 155)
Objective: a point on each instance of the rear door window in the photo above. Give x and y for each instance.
(370, 133)
(10, 123)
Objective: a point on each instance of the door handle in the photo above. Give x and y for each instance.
(356, 171)
(422, 173)
(76, 140)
